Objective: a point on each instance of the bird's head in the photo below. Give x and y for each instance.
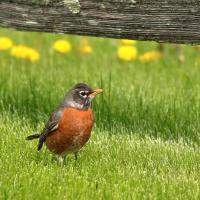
(80, 96)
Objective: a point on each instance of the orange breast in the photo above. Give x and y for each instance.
(73, 131)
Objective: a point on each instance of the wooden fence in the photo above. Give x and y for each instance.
(175, 21)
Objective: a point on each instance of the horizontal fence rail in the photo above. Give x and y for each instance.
(174, 21)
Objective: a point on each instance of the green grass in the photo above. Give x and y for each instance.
(145, 143)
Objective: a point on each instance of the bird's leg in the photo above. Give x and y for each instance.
(76, 155)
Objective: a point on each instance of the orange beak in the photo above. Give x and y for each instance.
(95, 92)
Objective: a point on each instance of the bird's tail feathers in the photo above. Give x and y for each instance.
(33, 136)
(40, 143)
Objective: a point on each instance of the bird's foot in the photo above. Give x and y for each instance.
(76, 155)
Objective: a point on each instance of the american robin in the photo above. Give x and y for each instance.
(70, 125)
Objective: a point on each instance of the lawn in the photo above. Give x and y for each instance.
(146, 139)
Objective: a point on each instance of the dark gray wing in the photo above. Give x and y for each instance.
(51, 126)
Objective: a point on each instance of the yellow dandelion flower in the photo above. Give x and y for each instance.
(127, 53)
(62, 46)
(85, 47)
(5, 43)
(150, 56)
(18, 51)
(24, 52)
(197, 46)
(128, 42)
(32, 55)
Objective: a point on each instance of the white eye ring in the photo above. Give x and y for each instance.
(83, 93)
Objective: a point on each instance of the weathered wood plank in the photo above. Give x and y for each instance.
(176, 21)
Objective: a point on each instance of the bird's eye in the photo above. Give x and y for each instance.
(83, 93)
